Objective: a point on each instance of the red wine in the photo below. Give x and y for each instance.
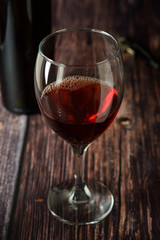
(24, 24)
(79, 109)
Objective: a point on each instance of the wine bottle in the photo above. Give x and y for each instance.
(23, 24)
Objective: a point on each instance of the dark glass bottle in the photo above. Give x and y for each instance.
(23, 24)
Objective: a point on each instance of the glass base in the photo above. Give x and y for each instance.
(80, 206)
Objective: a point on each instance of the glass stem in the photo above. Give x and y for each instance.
(80, 192)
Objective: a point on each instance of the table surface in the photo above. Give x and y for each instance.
(125, 157)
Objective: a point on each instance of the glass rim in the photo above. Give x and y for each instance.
(117, 46)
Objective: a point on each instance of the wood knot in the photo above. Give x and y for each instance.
(39, 200)
(124, 121)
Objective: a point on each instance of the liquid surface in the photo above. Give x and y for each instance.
(79, 108)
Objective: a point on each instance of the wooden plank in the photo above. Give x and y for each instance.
(139, 165)
(126, 157)
(12, 134)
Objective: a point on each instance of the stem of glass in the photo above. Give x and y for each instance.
(80, 192)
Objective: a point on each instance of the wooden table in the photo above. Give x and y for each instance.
(126, 157)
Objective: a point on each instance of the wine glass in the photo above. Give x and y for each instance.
(79, 89)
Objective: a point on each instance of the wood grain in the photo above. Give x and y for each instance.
(126, 157)
(12, 135)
